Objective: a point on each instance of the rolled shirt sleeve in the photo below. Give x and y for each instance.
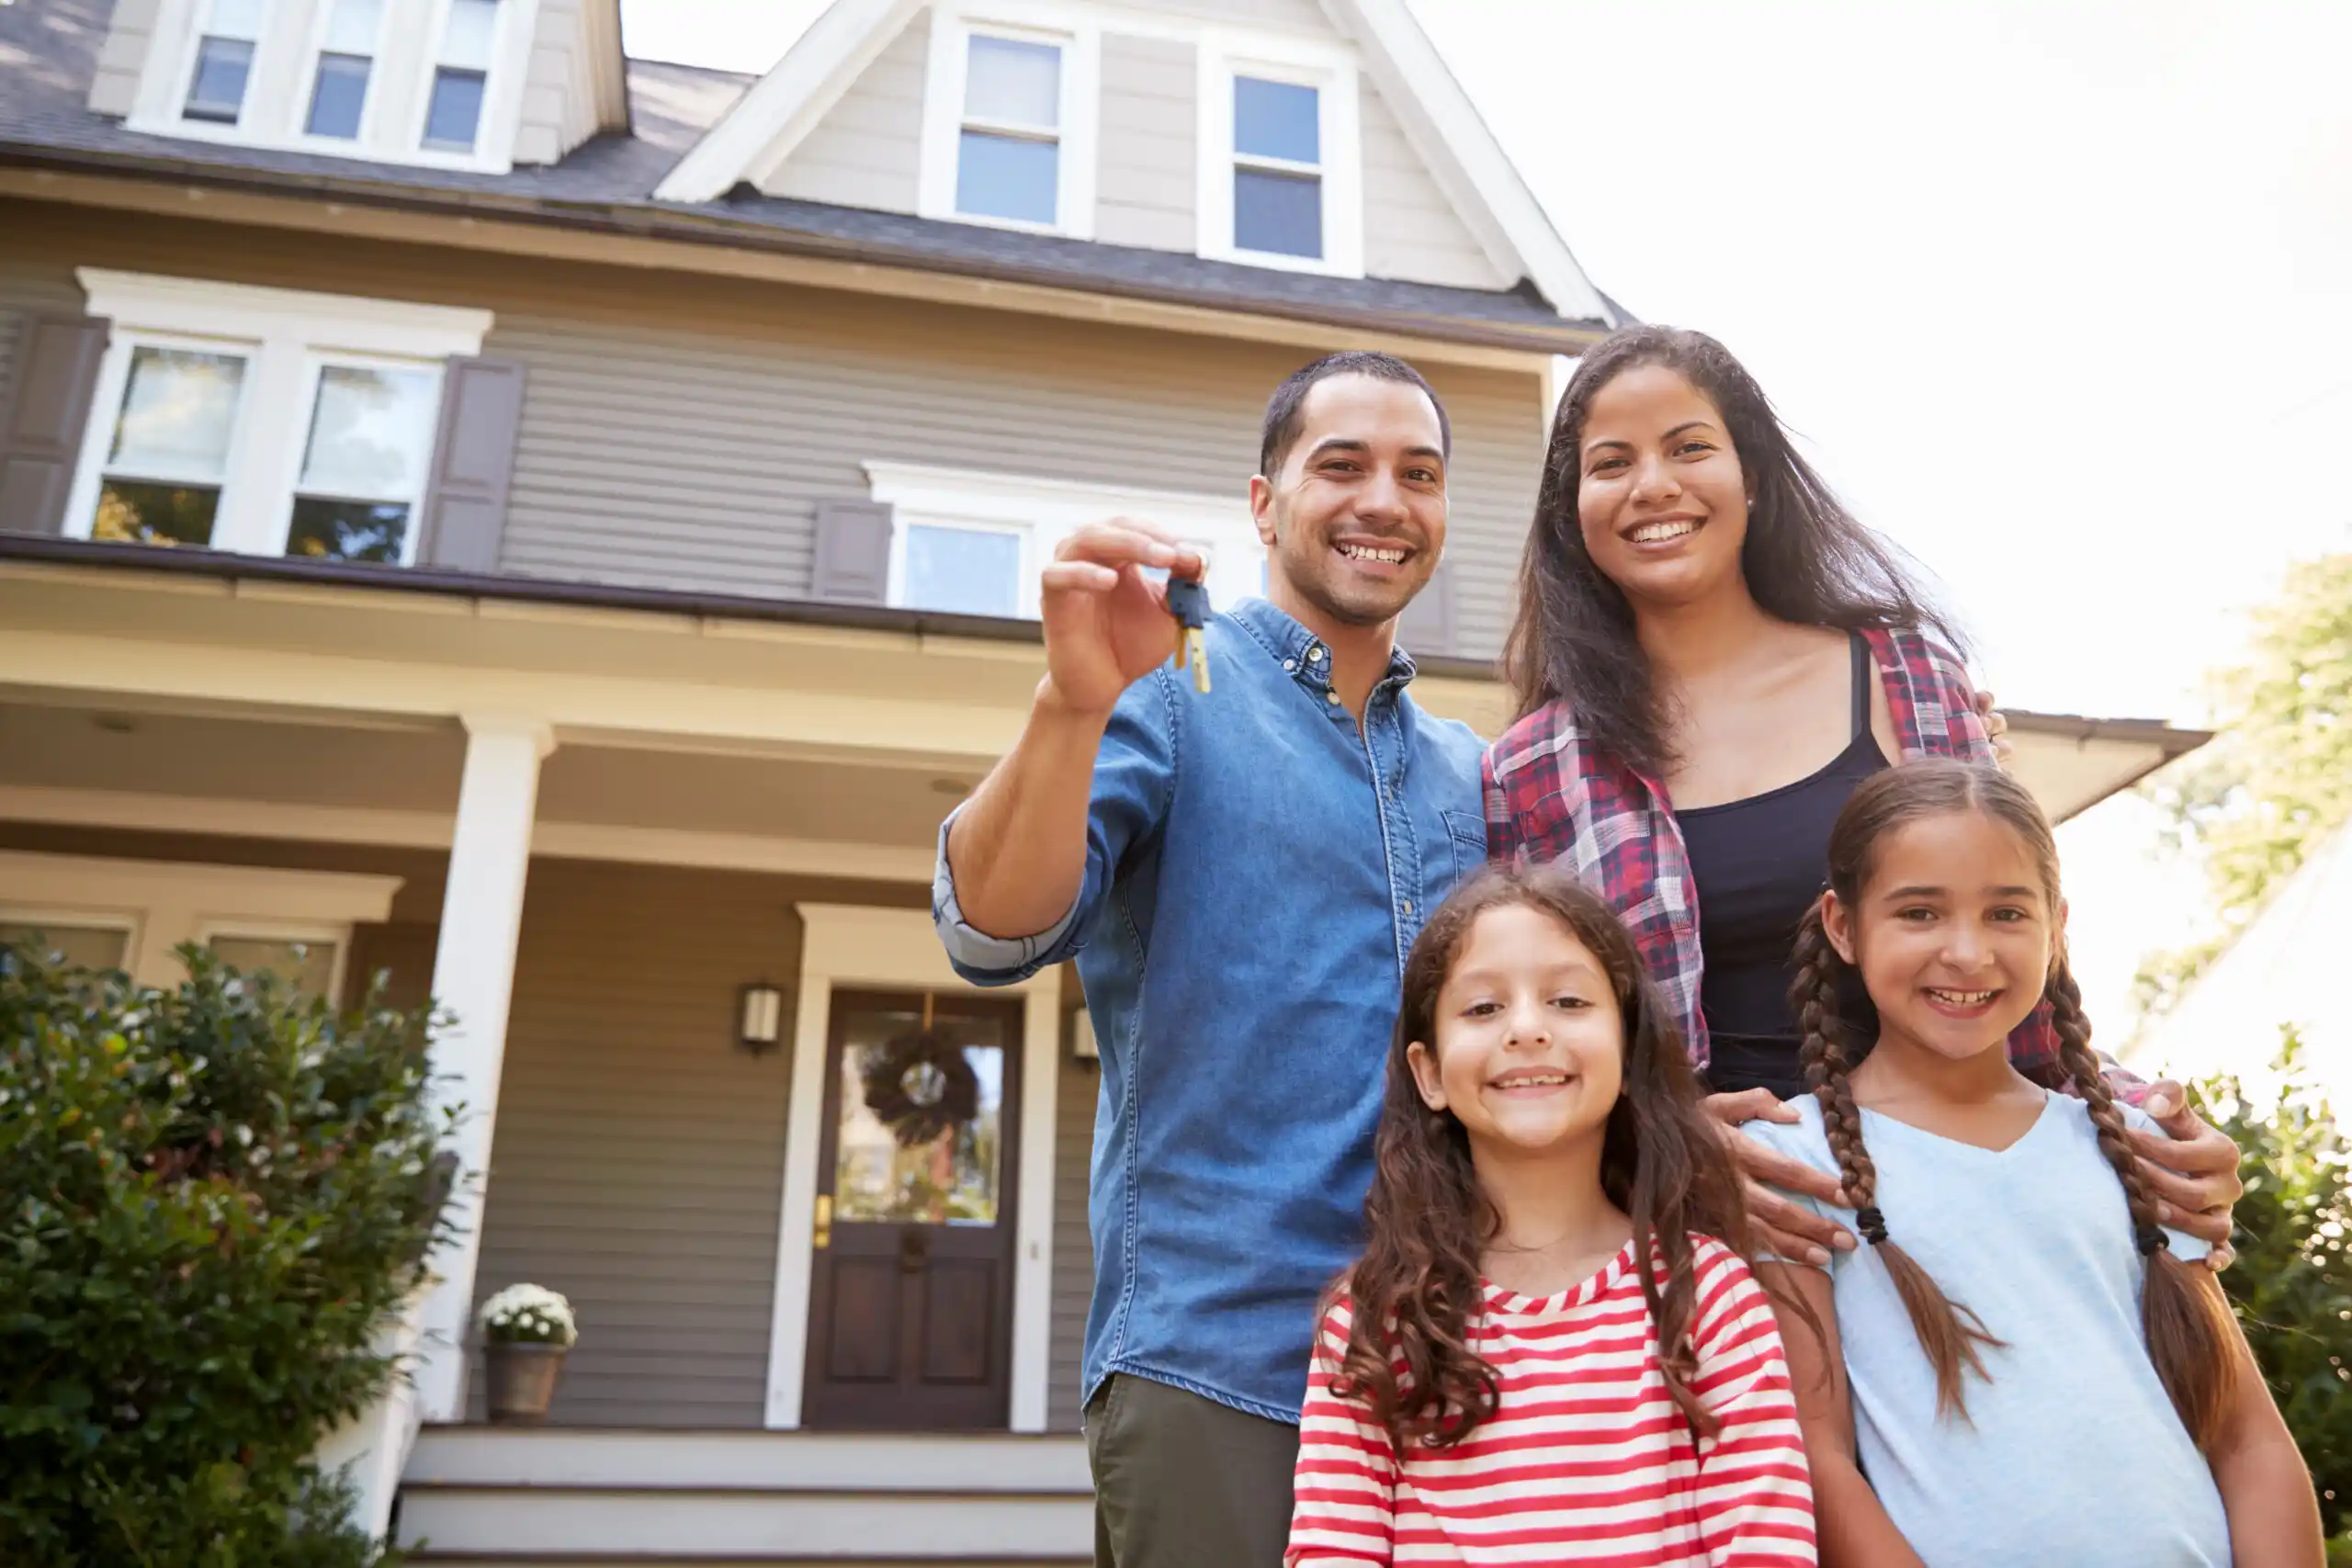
(1135, 778)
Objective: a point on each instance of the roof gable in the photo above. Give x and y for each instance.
(1397, 59)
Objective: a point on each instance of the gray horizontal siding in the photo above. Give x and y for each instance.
(638, 1159)
(867, 150)
(679, 431)
(1147, 188)
(1410, 229)
(130, 33)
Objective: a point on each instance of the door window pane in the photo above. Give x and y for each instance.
(456, 111)
(963, 571)
(218, 90)
(1278, 213)
(903, 1155)
(338, 95)
(1007, 177)
(1013, 83)
(308, 966)
(1276, 119)
(86, 947)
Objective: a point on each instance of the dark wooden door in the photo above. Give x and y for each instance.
(910, 1307)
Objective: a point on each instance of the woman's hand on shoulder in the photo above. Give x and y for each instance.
(2193, 1167)
(1787, 1229)
(1997, 729)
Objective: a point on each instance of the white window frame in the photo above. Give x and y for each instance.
(288, 337)
(1334, 76)
(322, 17)
(85, 917)
(954, 23)
(1044, 512)
(278, 91)
(167, 902)
(252, 928)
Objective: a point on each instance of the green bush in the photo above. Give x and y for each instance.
(217, 1197)
(2292, 1283)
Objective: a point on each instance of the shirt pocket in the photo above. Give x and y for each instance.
(1465, 839)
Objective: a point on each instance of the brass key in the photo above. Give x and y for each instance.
(1188, 601)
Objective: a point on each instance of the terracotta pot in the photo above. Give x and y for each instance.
(522, 1380)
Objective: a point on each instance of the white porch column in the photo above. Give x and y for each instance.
(473, 977)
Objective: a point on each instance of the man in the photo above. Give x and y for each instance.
(1240, 875)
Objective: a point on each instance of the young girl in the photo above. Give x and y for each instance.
(2019, 1359)
(1497, 1380)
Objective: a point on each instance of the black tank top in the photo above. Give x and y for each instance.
(1758, 864)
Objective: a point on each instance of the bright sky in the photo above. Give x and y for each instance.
(2059, 293)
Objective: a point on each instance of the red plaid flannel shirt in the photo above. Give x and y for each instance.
(1550, 797)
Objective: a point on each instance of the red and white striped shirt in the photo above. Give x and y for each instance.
(1587, 1459)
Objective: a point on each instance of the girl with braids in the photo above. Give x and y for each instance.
(1710, 653)
(1500, 1379)
(2017, 1332)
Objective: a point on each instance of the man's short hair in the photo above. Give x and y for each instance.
(1280, 432)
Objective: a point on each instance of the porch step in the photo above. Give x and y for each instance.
(475, 1496)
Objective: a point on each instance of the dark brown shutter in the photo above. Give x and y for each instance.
(853, 558)
(473, 463)
(42, 417)
(1427, 625)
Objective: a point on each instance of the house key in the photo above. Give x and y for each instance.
(1188, 601)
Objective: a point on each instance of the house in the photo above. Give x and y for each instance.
(562, 530)
(2277, 973)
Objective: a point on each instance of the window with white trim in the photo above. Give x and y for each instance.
(223, 66)
(1008, 120)
(968, 542)
(1281, 177)
(435, 83)
(341, 67)
(461, 75)
(1008, 152)
(308, 956)
(82, 938)
(262, 420)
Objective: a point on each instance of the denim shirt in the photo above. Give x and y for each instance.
(1256, 869)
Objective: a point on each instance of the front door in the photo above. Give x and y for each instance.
(910, 1304)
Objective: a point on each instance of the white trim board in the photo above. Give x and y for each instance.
(136, 811)
(858, 945)
(170, 902)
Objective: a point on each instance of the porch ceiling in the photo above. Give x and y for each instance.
(400, 782)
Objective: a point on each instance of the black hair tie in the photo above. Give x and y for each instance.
(2152, 1240)
(1873, 1225)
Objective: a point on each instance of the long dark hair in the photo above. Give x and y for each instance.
(2188, 1333)
(1807, 559)
(1413, 1294)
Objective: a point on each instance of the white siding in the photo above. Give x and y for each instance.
(867, 150)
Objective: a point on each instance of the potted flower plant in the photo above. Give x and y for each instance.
(526, 1331)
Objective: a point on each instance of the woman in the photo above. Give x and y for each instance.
(1710, 653)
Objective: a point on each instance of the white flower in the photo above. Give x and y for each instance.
(529, 1314)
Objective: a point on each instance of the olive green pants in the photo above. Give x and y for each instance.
(1184, 1481)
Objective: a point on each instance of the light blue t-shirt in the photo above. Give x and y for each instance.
(2072, 1453)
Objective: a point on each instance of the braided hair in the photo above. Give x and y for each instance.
(2187, 1327)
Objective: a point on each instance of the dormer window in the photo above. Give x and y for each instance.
(431, 83)
(1277, 168)
(468, 42)
(1008, 159)
(1009, 123)
(224, 61)
(346, 59)
(1281, 182)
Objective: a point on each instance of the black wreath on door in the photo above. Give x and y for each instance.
(920, 1086)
